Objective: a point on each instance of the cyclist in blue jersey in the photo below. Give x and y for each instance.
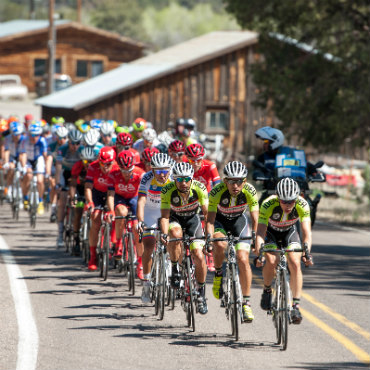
(32, 155)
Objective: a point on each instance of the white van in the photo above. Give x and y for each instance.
(11, 87)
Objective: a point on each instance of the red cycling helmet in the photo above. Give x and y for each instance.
(124, 138)
(195, 151)
(177, 146)
(148, 153)
(107, 154)
(125, 159)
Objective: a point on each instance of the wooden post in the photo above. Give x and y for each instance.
(51, 48)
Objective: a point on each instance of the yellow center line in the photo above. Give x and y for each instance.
(357, 351)
(338, 316)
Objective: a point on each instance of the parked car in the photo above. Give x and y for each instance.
(11, 87)
(61, 81)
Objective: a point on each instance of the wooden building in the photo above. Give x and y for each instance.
(206, 78)
(81, 52)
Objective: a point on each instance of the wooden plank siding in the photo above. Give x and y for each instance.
(223, 82)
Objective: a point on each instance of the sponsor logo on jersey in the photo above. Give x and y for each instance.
(129, 188)
(275, 216)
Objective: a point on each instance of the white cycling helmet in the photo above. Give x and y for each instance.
(182, 169)
(287, 189)
(235, 169)
(107, 128)
(149, 134)
(88, 154)
(61, 132)
(91, 137)
(161, 160)
(74, 136)
(275, 136)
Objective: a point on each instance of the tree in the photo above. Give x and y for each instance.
(315, 66)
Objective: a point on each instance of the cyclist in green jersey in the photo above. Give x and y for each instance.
(181, 201)
(277, 222)
(228, 202)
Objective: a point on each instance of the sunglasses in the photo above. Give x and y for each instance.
(126, 171)
(233, 182)
(183, 179)
(35, 135)
(109, 135)
(287, 201)
(161, 172)
(106, 164)
(195, 160)
(77, 143)
(180, 154)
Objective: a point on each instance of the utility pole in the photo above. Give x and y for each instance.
(51, 48)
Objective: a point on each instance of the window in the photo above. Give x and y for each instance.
(96, 68)
(81, 68)
(40, 67)
(217, 119)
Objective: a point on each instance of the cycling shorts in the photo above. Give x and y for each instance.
(193, 226)
(277, 239)
(99, 198)
(238, 227)
(130, 203)
(38, 165)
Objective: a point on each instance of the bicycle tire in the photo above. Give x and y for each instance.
(284, 310)
(234, 304)
(105, 252)
(131, 266)
(161, 286)
(156, 282)
(153, 281)
(189, 283)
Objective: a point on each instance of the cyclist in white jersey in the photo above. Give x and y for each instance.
(149, 210)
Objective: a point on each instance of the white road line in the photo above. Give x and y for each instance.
(28, 339)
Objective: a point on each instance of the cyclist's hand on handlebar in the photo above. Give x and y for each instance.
(89, 206)
(208, 247)
(109, 216)
(253, 244)
(307, 260)
(140, 226)
(164, 239)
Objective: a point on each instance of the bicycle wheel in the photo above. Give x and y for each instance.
(284, 311)
(234, 307)
(131, 264)
(105, 252)
(161, 286)
(189, 294)
(276, 309)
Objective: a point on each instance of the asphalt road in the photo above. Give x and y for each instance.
(54, 314)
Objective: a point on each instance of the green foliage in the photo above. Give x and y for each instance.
(322, 95)
(366, 176)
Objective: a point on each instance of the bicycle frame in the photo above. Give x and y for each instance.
(84, 236)
(34, 199)
(16, 192)
(103, 247)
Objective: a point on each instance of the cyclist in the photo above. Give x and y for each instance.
(77, 186)
(33, 151)
(146, 157)
(176, 150)
(149, 210)
(61, 134)
(68, 155)
(228, 202)
(181, 200)
(205, 171)
(124, 141)
(184, 130)
(12, 145)
(137, 128)
(96, 187)
(91, 139)
(148, 140)
(108, 137)
(123, 188)
(277, 222)
(28, 118)
(57, 120)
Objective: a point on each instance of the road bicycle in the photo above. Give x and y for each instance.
(160, 273)
(127, 263)
(103, 248)
(282, 296)
(232, 298)
(188, 291)
(16, 195)
(84, 236)
(34, 199)
(68, 227)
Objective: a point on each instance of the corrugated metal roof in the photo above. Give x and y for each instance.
(140, 71)
(23, 25)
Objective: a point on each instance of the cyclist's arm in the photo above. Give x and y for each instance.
(88, 192)
(140, 208)
(23, 159)
(210, 226)
(110, 200)
(165, 220)
(260, 237)
(6, 156)
(254, 217)
(48, 164)
(58, 171)
(204, 209)
(306, 233)
(72, 188)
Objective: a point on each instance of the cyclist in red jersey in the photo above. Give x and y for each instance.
(176, 150)
(124, 141)
(146, 157)
(96, 187)
(123, 189)
(205, 171)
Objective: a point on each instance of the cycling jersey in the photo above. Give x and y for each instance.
(67, 158)
(13, 147)
(171, 199)
(99, 179)
(271, 213)
(230, 207)
(33, 151)
(140, 145)
(126, 189)
(207, 174)
(79, 172)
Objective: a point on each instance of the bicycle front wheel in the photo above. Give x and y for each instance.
(234, 308)
(189, 295)
(284, 311)
(161, 286)
(131, 264)
(105, 251)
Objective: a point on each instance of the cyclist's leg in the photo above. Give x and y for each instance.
(149, 244)
(25, 185)
(120, 210)
(219, 249)
(174, 250)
